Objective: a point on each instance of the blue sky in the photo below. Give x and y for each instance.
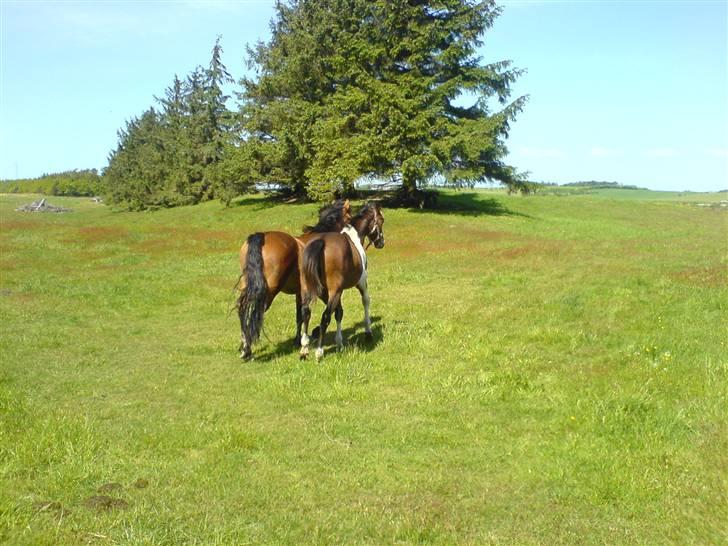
(627, 91)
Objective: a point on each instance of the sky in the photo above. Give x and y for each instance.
(634, 92)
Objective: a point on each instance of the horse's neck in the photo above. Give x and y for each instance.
(356, 240)
(360, 227)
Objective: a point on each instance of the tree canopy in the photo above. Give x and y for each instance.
(343, 89)
(347, 88)
(177, 154)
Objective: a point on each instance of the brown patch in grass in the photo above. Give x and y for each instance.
(109, 487)
(19, 225)
(449, 239)
(159, 246)
(141, 483)
(199, 234)
(98, 234)
(104, 502)
(713, 276)
(188, 240)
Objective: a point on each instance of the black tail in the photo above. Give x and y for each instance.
(313, 269)
(252, 301)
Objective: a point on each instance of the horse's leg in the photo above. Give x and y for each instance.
(299, 319)
(365, 300)
(305, 317)
(332, 304)
(339, 314)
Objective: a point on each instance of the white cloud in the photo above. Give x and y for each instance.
(717, 152)
(661, 153)
(602, 151)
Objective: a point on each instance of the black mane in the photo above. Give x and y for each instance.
(329, 217)
(363, 211)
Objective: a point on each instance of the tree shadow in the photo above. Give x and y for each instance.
(256, 203)
(468, 204)
(354, 336)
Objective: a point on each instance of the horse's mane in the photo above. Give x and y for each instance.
(329, 217)
(363, 211)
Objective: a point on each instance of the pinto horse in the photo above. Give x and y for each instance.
(269, 264)
(334, 262)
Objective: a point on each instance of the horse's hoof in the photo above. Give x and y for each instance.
(319, 353)
(369, 336)
(246, 357)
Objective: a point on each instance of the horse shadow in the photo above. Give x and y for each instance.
(354, 336)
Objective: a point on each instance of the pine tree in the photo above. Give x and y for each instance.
(179, 155)
(137, 172)
(355, 87)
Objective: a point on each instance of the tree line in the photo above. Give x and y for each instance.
(85, 182)
(342, 90)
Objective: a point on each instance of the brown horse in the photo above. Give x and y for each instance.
(269, 264)
(334, 262)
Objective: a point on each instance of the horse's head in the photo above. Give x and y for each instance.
(375, 225)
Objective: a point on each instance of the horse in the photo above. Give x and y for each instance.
(334, 262)
(269, 264)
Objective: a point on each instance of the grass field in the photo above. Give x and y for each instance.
(545, 370)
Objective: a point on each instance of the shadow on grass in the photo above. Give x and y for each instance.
(257, 203)
(354, 336)
(469, 204)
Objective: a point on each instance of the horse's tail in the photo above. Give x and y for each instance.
(313, 267)
(253, 298)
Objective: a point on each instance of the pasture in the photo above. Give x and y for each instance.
(549, 369)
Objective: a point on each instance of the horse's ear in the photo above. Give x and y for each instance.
(347, 206)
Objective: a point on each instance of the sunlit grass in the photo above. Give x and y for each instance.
(548, 369)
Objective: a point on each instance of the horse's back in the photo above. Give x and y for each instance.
(341, 261)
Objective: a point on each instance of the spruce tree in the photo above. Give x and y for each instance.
(137, 172)
(179, 154)
(347, 88)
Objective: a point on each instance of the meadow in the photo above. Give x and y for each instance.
(549, 369)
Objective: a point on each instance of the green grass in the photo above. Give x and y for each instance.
(546, 370)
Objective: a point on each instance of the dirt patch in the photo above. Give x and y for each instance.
(97, 234)
(18, 225)
(141, 483)
(713, 276)
(110, 487)
(104, 502)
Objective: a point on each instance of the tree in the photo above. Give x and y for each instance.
(178, 155)
(347, 88)
(137, 176)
